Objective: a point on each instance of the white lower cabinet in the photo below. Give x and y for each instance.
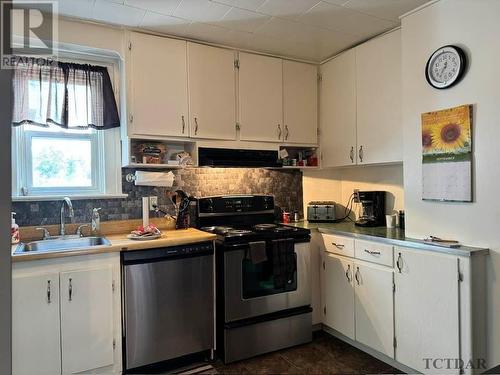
(67, 316)
(427, 309)
(86, 319)
(425, 313)
(36, 324)
(374, 307)
(338, 294)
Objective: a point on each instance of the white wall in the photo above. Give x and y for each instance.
(338, 184)
(475, 26)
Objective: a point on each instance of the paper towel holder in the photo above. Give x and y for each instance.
(130, 177)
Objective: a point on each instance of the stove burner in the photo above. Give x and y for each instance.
(283, 229)
(217, 229)
(265, 226)
(237, 232)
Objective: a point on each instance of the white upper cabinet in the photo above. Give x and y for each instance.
(212, 92)
(338, 111)
(300, 102)
(261, 98)
(35, 325)
(158, 86)
(378, 84)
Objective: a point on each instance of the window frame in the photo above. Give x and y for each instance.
(106, 150)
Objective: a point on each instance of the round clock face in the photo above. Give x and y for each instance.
(445, 67)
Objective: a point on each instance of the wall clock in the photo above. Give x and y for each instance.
(446, 67)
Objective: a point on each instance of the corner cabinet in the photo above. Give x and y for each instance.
(360, 104)
(67, 316)
(158, 94)
(378, 100)
(407, 306)
(300, 102)
(212, 92)
(338, 111)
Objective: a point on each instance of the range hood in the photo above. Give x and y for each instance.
(227, 157)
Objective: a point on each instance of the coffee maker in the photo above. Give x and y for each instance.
(372, 209)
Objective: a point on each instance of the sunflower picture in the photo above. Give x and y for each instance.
(447, 131)
(447, 154)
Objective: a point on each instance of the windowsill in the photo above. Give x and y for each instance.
(73, 197)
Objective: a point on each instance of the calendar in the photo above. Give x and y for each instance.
(447, 154)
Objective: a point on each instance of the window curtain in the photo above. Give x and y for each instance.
(69, 95)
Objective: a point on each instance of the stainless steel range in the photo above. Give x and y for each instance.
(263, 288)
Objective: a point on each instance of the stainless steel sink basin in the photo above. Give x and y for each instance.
(62, 244)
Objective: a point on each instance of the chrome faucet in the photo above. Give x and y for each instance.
(96, 220)
(66, 201)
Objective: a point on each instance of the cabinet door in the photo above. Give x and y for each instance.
(261, 98)
(86, 319)
(338, 111)
(374, 307)
(338, 294)
(426, 308)
(300, 102)
(378, 80)
(158, 80)
(212, 92)
(36, 325)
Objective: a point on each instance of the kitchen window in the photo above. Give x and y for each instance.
(66, 139)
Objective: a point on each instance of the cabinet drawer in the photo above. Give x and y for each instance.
(375, 252)
(339, 245)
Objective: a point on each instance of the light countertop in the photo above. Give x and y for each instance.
(393, 236)
(120, 242)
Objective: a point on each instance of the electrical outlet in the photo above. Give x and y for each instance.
(153, 201)
(356, 196)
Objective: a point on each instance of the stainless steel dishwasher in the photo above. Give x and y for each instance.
(168, 303)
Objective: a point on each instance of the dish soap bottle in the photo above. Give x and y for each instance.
(14, 230)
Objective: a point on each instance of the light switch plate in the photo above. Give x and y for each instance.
(153, 201)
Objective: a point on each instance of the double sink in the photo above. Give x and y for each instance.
(61, 244)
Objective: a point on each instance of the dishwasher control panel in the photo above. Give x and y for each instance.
(166, 253)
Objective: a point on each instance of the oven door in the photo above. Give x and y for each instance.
(249, 290)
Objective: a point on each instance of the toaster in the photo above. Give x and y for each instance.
(321, 212)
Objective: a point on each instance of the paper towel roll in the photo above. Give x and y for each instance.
(145, 211)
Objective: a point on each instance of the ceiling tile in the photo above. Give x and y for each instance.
(76, 8)
(287, 8)
(117, 14)
(206, 32)
(163, 6)
(387, 9)
(243, 4)
(164, 24)
(343, 19)
(243, 20)
(201, 10)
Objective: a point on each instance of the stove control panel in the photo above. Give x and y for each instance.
(235, 204)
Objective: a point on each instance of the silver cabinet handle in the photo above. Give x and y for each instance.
(196, 126)
(399, 263)
(360, 153)
(371, 252)
(338, 245)
(287, 132)
(348, 273)
(351, 154)
(48, 292)
(70, 290)
(356, 275)
(183, 124)
(279, 131)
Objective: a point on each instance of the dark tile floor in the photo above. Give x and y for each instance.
(325, 355)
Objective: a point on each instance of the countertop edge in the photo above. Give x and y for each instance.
(408, 243)
(120, 243)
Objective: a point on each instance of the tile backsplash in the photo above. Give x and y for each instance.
(285, 185)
